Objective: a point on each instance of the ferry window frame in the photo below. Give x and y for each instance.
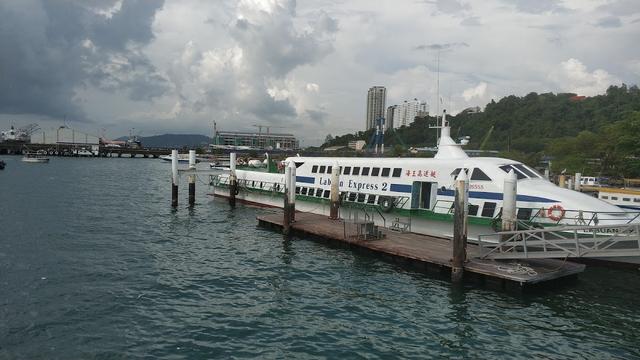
(524, 213)
(326, 194)
(397, 172)
(478, 175)
(385, 172)
(606, 197)
(318, 192)
(626, 199)
(524, 169)
(303, 191)
(636, 200)
(365, 171)
(508, 167)
(352, 196)
(361, 197)
(455, 172)
(322, 169)
(314, 169)
(355, 170)
(473, 209)
(614, 198)
(297, 189)
(371, 199)
(486, 206)
(329, 169)
(346, 170)
(375, 171)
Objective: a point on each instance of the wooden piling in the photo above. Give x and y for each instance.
(335, 192)
(192, 178)
(233, 183)
(459, 245)
(174, 178)
(292, 192)
(286, 223)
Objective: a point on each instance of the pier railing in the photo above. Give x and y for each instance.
(563, 242)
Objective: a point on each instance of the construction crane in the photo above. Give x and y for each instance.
(260, 126)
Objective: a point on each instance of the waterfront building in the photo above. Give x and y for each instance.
(388, 124)
(376, 105)
(404, 114)
(255, 140)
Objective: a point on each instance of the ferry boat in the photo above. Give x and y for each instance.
(35, 157)
(417, 193)
(624, 198)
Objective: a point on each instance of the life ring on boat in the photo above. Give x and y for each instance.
(555, 213)
(386, 203)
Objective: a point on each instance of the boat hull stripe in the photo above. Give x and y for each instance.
(497, 196)
(400, 188)
(305, 179)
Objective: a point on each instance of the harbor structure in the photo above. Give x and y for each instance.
(64, 135)
(376, 105)
(254, 140)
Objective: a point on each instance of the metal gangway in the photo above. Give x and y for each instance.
(563, 242)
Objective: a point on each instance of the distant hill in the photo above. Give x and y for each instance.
(173, 140)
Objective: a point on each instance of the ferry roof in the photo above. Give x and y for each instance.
(400, 160)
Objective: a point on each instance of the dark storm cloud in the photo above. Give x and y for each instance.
(441, 47)
(50, 48)
(609, 22)
(537, 6)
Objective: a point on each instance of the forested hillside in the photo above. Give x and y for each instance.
(594, 135)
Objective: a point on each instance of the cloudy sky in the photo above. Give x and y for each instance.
(304, 66)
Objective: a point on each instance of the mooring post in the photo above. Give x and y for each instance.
(578, 179)
(286, 221)
(509, 198)
(192, 177)
(174, 178)
(233, 181)
(460, 228)
(292, 192)
(561, 181)
(335, 192)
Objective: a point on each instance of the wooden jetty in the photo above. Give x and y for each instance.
(428, 253)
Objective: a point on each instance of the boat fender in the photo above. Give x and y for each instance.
(555, 212)
(386, 203)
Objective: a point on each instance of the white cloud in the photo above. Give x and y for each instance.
(573, 76)
(478, 91)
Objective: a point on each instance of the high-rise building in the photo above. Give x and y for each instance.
(405, 113)
(388, 121)
(376, 105)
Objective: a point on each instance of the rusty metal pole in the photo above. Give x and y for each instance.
(174, 178)
(192, 178)
(335, 192)
(286, 222)
(460, 228)
(292, 192)
(233, 181)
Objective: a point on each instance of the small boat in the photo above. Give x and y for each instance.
(35, 157)
(2, 165)
(182, 158)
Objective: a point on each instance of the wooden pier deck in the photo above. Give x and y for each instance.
(430, 253)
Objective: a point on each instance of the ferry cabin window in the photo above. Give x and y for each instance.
(524, 214)
(397, 172)
(329, 169)
(347, 170)
(314, 169)
(455, 172)
(488, 209)
(326, 194)
(605, 197)
(303, 191)
(375, 171)
(614, 198)
(478, 174)
(356, 170)
(352, 196)
(322, 168)
(385, 172)
(365, 171)
(473, 210)
(626, 199)
(361, 197)
(319, 193)
(297, 189)
(636, 200)
(525, 170)
(371, 199)
(507, 168)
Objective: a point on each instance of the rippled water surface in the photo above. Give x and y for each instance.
(95, 264)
